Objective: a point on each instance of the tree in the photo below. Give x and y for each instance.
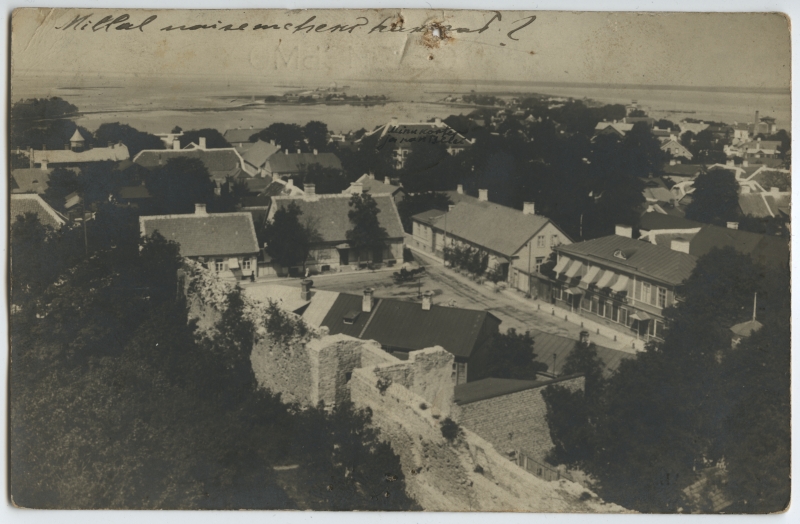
(289, 136)
(288, 240)
(367, 232)
(327, 180)
(62, 183)
(180, 184)
(715, 199)
(316, 134)
(512, 357)
(420, 202)
(134, 140)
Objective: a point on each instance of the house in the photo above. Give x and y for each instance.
(699, 239)
(553, 350)
(762, 152)
(135, 196)
(612, 128)
(401, 326)
(49, 158)
(401, 137)
(623, 283)
(20, 204)
(677, 171)
(288, 165)
(764, 125)
(518, 242)
(675, 149)
(238, 137)
(327, 215)
(741, 132)
(368, 183)
(221, 163)
(224, 242)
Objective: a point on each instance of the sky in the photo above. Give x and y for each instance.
(688, 49)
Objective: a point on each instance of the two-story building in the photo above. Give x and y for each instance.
(519, 242)
(223, 242)
(621, 282)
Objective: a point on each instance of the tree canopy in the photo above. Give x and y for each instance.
(512, 356)
(134, 140)
(288, 237)
(367, 233)
(715, 199)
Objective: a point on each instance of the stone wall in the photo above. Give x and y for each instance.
(467, 474)
(514, 422)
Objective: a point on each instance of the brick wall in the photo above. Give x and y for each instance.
(514, 422)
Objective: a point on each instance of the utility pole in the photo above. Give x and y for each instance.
(85, 237)
(530, 277)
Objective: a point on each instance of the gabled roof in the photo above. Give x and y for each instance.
(221, 162)
(763, 249)
(205, 235)
(328, 214)
(658, 194)
(30, 180)
(257, 154)
(296, 162)
(641, 258)
(547, 344)
(619, 127)
(403, 325)
(762, 144)
(375, 187)
(428, 216)
(114, 153)
(234, 136)
(32, 203)
(501, 229)
(688, 170)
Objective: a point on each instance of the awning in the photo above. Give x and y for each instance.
(621, 284)
(233, 263)
(605, 279)
(343, 246)
(573, 291)
(591, 275)
(574, 269)
(640, 316)
(562, 264)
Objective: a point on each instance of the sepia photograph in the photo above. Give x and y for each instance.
(399, 260)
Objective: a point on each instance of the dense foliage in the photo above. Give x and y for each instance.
(134, 140)
(289, 237)
(367, 232)
(512, 356)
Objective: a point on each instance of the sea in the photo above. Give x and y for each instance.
(158, 105)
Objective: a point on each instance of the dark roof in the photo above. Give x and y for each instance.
(296, 162)
(497, 228)
(547, 344)
(376, 187)
(256, 201)
(764, 249)
(642, 258)
(487, 388)
(205, 235)
(31, 203)
(403, 325)
(234, 136)
(257, 184)
(328, 214)
(220, 163)
(427, 216)
(653, 221)
(133, 192)
(683, 169)
(30, 180)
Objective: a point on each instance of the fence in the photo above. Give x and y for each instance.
(542, 470)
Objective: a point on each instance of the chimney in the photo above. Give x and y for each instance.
(680, 245)
(733, 225)
(427, 300)
(386, 180)
(366, 302)
(356, 189)
(290, 182)
(528, 208)
(437, 120)
(298, 151)
(30, 157)
(200, 209)
(305, 289)
(393, 122)
(755, 122)
(176, 144)
(66, 146)
(310, 189)
(745, 163)
(286, 151)
(622, 230)
(672, 162)
(316, 152)
(202, 141)
(774, 189)
(584, 338)
(44, 164)
(460, 189)
(272, 142)
(729, 162)
(678, 161)
(450, 207)
(745, 189)
(483, 195)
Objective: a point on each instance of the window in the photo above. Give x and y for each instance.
(609, 310)
(595, 304)
(645, 292)
(659, 329)
(246, 263)
(615, 313)
(623, 316)
(554, 241)
(557, 293)
(662, 297)
(539, 262)
(586, 303)
(219, 265)
(540, 241)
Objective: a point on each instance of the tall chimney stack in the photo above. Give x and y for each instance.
(176, 144)
(528, 208)
(310, 189)
(366, 302)
(427, 300)
(202, 141)
(483, 195)
(305, 289)
(460, 189)
(200, 209)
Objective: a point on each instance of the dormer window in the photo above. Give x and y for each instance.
(351, 317)
(619, 254)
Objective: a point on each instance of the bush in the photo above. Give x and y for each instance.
(451, 430)
(383, 384)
